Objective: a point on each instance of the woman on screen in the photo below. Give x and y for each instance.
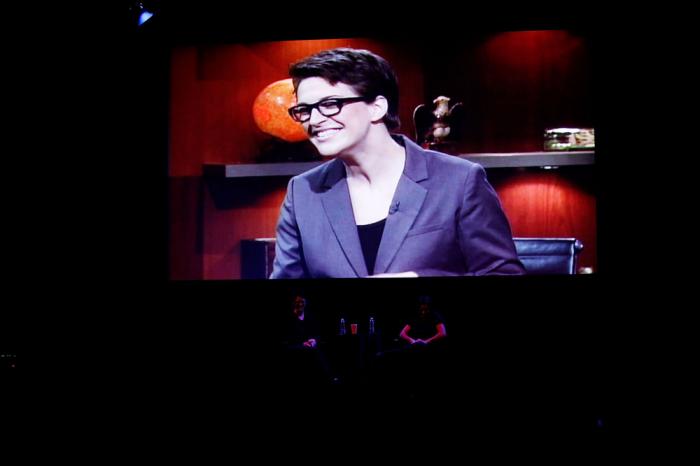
(383, 207)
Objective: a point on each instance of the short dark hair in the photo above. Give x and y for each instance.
(366, 72)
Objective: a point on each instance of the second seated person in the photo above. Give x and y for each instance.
(384, 206)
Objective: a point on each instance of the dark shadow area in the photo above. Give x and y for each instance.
(525, 354)
(521, 353)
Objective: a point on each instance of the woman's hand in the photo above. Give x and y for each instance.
(310, 343)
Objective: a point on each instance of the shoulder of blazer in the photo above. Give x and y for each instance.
(423, 163)
(322, 176)
(449, 162)
(444, 169)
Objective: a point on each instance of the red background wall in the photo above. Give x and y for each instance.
(513, 85)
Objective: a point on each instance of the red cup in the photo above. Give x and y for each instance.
(353, 329)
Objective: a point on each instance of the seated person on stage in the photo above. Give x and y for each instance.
(420, 362)
(425, 328)
(304, 360)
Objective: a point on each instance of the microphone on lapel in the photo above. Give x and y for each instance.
(394, 208)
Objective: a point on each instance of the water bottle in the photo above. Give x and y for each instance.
(342, 326)
(371, 325)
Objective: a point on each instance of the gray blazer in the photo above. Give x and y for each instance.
(445, 219)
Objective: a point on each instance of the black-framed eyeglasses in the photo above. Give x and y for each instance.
(327, 107)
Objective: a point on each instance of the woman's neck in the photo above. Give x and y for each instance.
(381, 158)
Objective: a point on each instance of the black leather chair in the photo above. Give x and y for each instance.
(540, 256)
(547, 256)
(257, 257)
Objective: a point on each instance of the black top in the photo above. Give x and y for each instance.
(425, 326)
(370, 237)
(298, 331)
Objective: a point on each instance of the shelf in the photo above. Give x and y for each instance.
(532, 159)
(260, 169)
(494, 160)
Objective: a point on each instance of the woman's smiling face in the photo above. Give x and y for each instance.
(340, 133)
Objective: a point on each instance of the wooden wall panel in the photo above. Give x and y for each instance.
(186, 226)
(237, 210)
(514, 85)
(548, 203)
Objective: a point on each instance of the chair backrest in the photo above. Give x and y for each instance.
(545, 256)
(257, 257)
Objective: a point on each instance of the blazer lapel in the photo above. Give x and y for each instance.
(338, 209)
(405, 206)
